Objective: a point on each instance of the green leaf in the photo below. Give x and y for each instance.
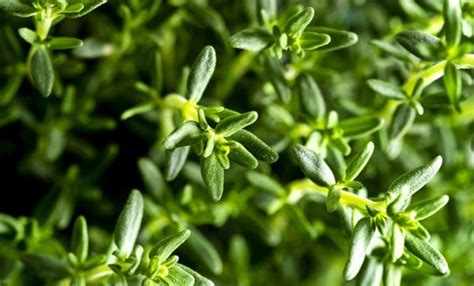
(28, 35)
(242, 156)
(252, 39)
(74, 8)
(339, 39)
(46, 267)
(175, 161)
(199, 280)
(401, 202)
(428, 208)
(358, 162)
(234, 123)
(165, 247)
(359, 127)
(64, 43)
(201, 72)
(297, 23)
(453, 84)
(310, 41)
(187, 134)
(415, 179)
(332, 200)
(205, 251)
(80, 239)
(361, 237)
(392, 275)
(452, 15)
(402, 120)
(213, 175)
(426, 252)
(422, 45)
(89, 6)
(178, 276)
(19, 8)
(386, 89)
(266, 183)
(313, 166)
(312, 100)
(128, 223)
(139, 109)
(398, 242)
(152, 178)
(41, 69)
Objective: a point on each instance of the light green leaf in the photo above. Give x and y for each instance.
(187, 134)
(359, 127)
(361, 237)
(175, 161)
(402, 120)
(234, 123)
(310, 41)
(312, 100)
(428, 208)
(80, 239)
(64, 43)
(89, 6)
(28, 35)
(165, 247)
(401, 202)
(313, 166)
(332, 200)
(41, 69)
(452, 15)
(252, 39)
(139, 109)
(453, 84)
(398, 242)
(201, 72)
(213, 175)
(426, 252)
(199, 280)
(19, 8)
(415, 179)
(128, 223)
(358, 162)
(266, 183)
(339, 39)
(386, 89)
(297, 23)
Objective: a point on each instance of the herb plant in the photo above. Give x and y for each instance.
(273, 142)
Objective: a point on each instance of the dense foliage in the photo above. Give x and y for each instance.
(253, 142)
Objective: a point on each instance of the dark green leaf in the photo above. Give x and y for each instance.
(213, 175)
(252, 39)
(46, 267)
(310, 95)
(452, 15)
(453, 84)
(201, 72)
(175, 161)
(152, 178)
(361, 237)
(80, 239)
(64, 43)
(242, 156)
(386, 89)
(297, 23)
(187, 134)
(310, 41)
(339, 39)
(232, 124)
(20, 8)
(358, 162)
(256, 146)
(422, 45)
(359, 127)
(402, 121)
(266, 183)
(313, 166)
(426, 252)
(205, 251)
(128, 223)
(428, 208)
(165, 247)
(41, 69)
(415, 179)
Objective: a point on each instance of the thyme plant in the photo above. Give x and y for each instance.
(264, 142)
